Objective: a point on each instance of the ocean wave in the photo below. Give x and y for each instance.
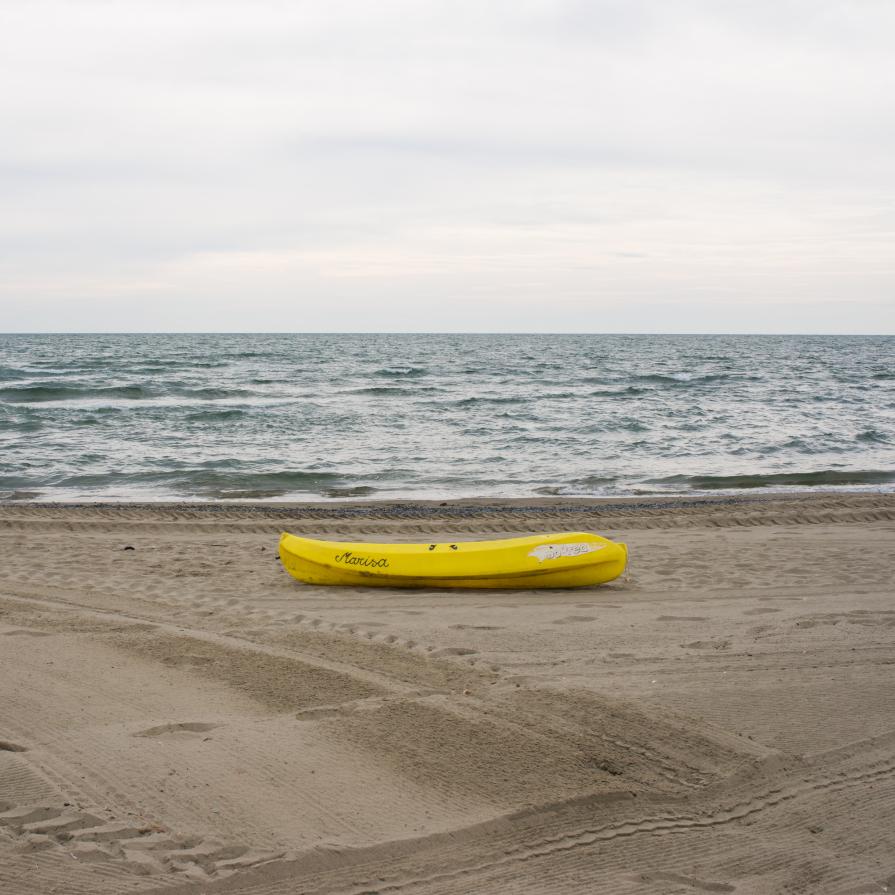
(87, 421)
(174, 366)
(592, 481)
(19, 494)
(271, 484)
(204, 481)
(20, 425)
(672, 378)
(209, 393)
(7, 373)
(349, 491)
(681, 379)
(687, 379)
(580, 487)
(807, 446)
(216, 415)
(612, 423)
(618, 392)
(48, 392)
(37, 394)
(492, 399)
(15, 481)
(873, 436)
(393, 390)
(401, 372)
(808, 479)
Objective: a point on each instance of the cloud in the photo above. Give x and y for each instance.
(579, 155)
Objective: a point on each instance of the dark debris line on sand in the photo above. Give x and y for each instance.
(410, 509)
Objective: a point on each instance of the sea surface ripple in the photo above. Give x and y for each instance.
(304, 417)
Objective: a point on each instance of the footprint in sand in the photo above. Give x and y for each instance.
(7, 746)
(690, 883)
(190, 659)
(572, 619)
(476, 627)
(183, 727)
(707, 644)
(453, 651)
(681, 618)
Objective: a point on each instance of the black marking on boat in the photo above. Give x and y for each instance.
(351, 559)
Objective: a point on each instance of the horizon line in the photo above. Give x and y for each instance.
(235, 332)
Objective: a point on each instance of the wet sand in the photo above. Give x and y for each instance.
(184, 717)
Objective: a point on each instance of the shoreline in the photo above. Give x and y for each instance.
(762, 507)
(646, 497)
(497, 503)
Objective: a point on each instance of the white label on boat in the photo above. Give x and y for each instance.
(554, 551)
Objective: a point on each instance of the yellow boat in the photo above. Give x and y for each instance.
(568, 559)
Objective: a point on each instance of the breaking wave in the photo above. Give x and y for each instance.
(808, 479)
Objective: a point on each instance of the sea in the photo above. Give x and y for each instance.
(310, 417)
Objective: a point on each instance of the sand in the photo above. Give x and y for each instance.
(184, 717)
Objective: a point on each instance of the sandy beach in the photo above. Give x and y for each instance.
(184, 717)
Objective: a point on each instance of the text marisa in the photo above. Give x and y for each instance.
(351, 560)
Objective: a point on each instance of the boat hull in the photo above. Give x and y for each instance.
(567, 559)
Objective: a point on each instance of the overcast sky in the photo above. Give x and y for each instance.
(533, 165)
